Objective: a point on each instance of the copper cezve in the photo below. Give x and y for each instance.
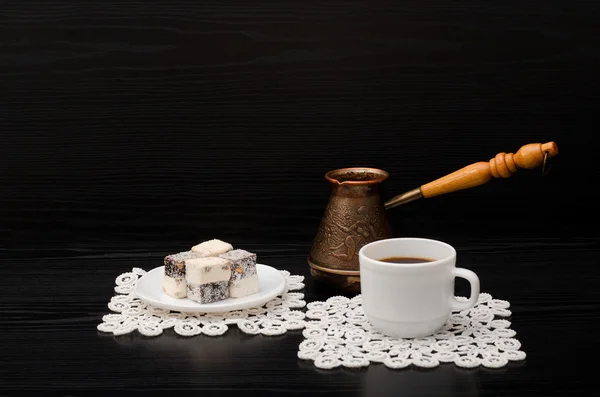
(356, 214)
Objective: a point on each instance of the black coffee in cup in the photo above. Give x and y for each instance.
(406, 259)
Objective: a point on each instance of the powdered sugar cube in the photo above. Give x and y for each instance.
(212, 247)
(207, 279)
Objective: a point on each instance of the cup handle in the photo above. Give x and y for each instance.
(472, 278)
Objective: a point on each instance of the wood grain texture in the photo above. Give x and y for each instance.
(503, 165)
(130, 129)
(50, 343)
(131, 121)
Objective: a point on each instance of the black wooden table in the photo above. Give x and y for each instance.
(131, 129)
(52, 301)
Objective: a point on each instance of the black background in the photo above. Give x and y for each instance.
(133, 129)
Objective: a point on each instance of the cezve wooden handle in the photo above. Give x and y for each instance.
(502, 166)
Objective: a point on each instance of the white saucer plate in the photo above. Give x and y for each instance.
(149, 289)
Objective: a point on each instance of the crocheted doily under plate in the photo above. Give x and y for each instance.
(336, 332)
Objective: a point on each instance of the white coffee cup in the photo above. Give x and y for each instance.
(410, 300)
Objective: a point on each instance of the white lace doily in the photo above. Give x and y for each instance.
(337, 333)
(131, 314)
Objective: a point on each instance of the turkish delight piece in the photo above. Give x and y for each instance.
(212, 247)
(244, 278)
(175, 287)
(207, 279)
(208, 293)
(174, 280)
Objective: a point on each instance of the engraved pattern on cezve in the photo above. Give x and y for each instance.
(344, 230)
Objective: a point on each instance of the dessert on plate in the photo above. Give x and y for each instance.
(212, 247)
(210, 271)
(174, 283)
(207, 279)
(244, 279)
